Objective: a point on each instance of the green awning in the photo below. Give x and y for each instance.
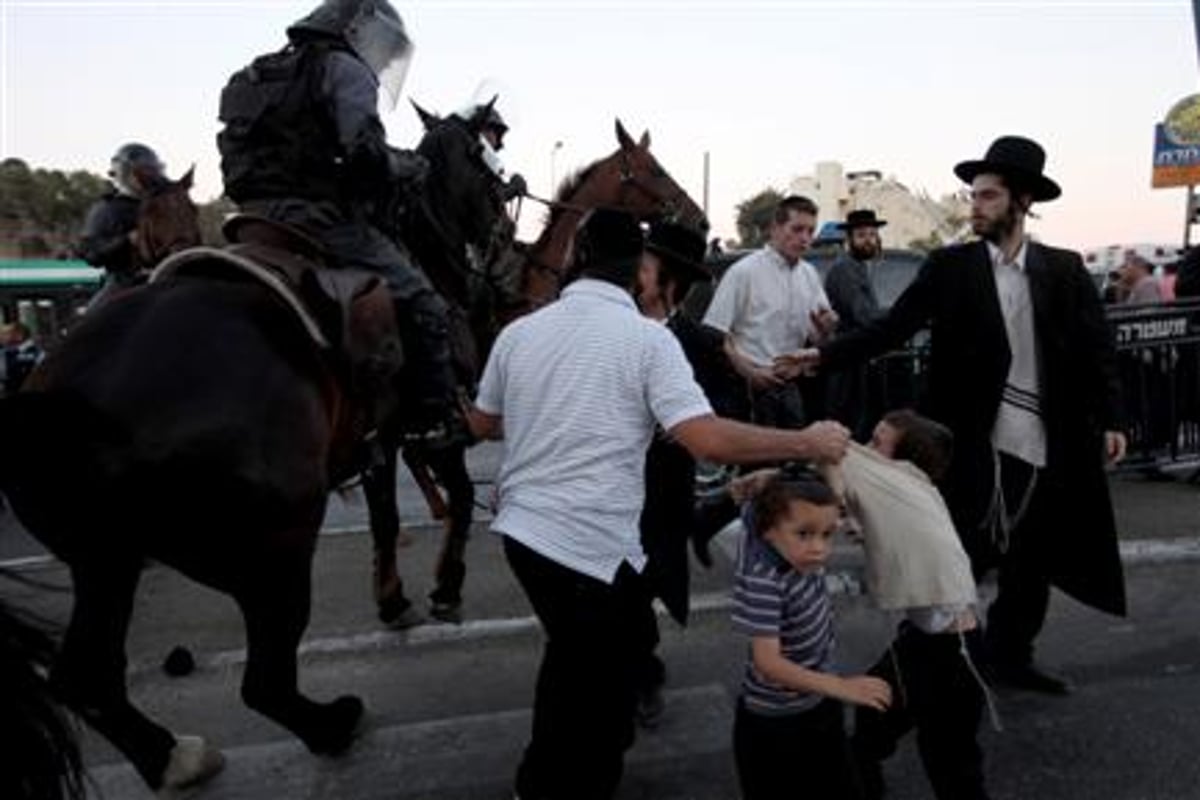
(36, 273)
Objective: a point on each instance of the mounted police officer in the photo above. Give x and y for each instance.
(109, 237)
(303, 144)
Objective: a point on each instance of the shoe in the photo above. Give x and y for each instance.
(1030, 678)
(650, 708)
(446, 612)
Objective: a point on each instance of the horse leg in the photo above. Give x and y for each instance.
(379, 487)
(89, 676)
(276, 614)
(450, 466)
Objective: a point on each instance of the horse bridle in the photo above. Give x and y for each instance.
(668, 207)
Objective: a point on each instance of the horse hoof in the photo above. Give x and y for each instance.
(192, 762)
(339, 728)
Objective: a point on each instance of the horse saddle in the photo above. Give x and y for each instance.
(346, 311)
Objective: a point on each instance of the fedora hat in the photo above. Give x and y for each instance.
(680, 247)
(861, 218)
(1017, 158)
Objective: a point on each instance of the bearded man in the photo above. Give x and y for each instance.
(1022, 370)
(852, 296)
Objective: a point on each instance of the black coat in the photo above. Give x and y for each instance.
(668, 515)
(954, 295)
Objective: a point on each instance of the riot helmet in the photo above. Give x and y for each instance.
(373, 30)
(135, 168)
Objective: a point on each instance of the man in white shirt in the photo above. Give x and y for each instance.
(576, 390)
(771, 303)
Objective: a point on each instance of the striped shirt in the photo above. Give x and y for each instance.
(580, 385)
(771, 599)
(1019, 429)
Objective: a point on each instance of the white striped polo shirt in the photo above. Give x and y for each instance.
(580, 385)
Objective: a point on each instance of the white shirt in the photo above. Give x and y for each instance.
(765, 304)
(915, 560)
(580, 385)
(1019, 429)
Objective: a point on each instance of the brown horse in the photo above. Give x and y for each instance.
(192, 421)
(630, 179)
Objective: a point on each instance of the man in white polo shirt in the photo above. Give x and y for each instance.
(576, 390)
(768, 304)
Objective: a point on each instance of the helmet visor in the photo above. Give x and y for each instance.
(380, 41)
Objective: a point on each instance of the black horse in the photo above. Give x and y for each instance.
(195, 422)
(456, 229)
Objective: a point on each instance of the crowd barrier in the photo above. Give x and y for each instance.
(1158, 365)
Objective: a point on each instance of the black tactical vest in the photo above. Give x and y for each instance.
(280, 139)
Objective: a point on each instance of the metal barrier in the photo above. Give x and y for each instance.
(1158, 364)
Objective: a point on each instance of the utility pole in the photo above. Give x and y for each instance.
(706, 176)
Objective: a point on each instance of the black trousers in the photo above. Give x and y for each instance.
(934, 691)
(597, 640)
(798, 755)
(1016, 616)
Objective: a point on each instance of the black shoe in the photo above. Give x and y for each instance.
(1030, 678)
(650, 708)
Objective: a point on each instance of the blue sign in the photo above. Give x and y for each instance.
(1174, 164)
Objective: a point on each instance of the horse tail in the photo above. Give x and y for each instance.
(41, 738)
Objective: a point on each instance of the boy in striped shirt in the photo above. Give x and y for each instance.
(790, 710)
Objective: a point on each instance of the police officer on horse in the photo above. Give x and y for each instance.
(109, 237)
(303, 144)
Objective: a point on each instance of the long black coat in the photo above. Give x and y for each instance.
(668, 515)
(954, 295)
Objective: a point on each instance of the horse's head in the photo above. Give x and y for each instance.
(631, 180)
(167, 221)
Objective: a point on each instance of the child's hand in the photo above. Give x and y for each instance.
(864, 690)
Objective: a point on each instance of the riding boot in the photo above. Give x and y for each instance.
(428, 375)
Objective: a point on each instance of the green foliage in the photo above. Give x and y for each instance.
(754, 217)
(41, 210)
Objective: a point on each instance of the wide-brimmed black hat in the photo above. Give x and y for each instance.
(679, 247)
(1017, 158)
(861, 218)
(608, 237)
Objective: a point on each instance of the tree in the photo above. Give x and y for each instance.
(754, 217)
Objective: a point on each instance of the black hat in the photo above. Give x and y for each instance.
(680, 247)
(861, 218)
(1017, 158)
(608, 238)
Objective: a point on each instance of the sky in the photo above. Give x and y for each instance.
(765, 88)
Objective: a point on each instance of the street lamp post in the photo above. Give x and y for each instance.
(553, 176)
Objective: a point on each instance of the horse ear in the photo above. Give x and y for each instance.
(644, 142)
(427, 119)
(188, 177)
(623, 137)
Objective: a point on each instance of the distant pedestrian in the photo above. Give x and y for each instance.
(1137, 279)
(788, 737)
(851, 293)
(21, 355)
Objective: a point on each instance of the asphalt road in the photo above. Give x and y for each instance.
(448, 705)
